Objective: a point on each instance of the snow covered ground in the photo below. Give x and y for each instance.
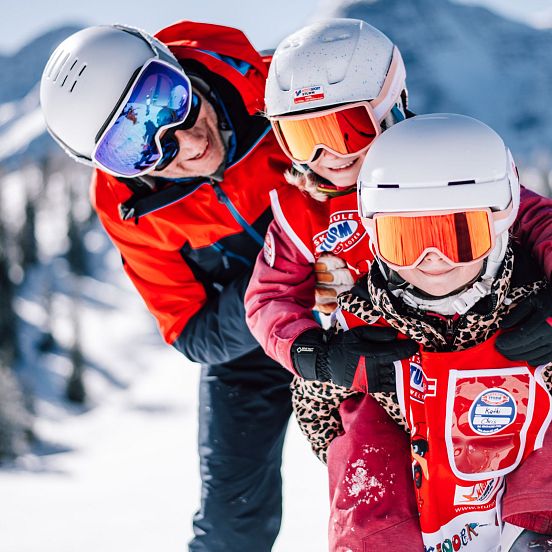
(121, 474)
(130, 482)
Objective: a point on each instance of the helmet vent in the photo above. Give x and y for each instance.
(459, 182)
(77, 78)
(52, 63)
(58, 66)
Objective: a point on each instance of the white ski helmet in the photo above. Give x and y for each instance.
(333, 62)
(88, 76)
(446, 162)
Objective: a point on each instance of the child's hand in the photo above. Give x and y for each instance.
(336, 357)
(332, 278)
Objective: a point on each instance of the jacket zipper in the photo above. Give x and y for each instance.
(225, 200)
(449, 330)
(226, 253)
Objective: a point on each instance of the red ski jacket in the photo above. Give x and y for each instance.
(189, 245)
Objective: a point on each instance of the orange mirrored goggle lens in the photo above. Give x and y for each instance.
(346, 132)
(462, 237)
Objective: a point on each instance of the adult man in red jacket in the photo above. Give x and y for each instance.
(185, 167)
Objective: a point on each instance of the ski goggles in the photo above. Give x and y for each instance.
(403, 239)
(344, 130)
(159, 98)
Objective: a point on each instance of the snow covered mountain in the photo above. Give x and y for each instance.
(469, 60)
(459, 58)
(22, 129)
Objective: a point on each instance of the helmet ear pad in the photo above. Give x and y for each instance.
(494, 261)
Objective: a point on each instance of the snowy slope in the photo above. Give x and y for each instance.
(121, 472)
(130, 482)
(469, 60)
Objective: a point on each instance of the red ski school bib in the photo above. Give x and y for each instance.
(474, 417)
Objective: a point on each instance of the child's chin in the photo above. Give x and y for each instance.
(438, 288)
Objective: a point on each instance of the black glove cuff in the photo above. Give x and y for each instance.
(381, 378)
(305, 350)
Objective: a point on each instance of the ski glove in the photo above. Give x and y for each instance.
(329, 356)
(530, 335)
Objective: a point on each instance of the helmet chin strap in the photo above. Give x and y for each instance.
(458, 302)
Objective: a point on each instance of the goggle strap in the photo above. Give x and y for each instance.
(392, 87)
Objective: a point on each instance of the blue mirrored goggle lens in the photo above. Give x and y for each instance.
(160, 97)
(169, 143)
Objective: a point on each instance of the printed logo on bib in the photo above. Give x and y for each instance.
(481, 492)
(492, 411)
(420, 386)
(457, 541)
(269, 251)
(308, 94)
(343, 233)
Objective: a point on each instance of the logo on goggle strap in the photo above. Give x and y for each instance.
(308, 94)
(343, 233)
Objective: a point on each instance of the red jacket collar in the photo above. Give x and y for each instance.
(195, 41)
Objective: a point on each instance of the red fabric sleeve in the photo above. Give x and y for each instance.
(280, 298)
(533, 227)
(156, 268)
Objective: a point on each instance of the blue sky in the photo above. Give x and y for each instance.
(265, 22)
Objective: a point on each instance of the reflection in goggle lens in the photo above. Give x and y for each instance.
(160, 97)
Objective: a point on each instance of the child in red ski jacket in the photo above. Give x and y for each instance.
(446, 275)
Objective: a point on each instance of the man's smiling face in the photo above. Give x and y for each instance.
(201, 149)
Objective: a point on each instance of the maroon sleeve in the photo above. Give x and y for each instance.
(385, 509)
(280, 296)
(533, 227)
(527, 501)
